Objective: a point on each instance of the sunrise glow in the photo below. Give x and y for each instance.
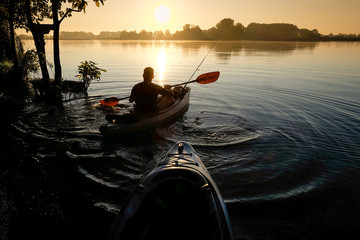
(333, 17)
(162, 14)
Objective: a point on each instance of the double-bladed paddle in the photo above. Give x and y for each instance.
(201, 79)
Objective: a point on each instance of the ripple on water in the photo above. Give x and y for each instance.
(210, 129)
(76, 124)
(121, 169)
(285, 156)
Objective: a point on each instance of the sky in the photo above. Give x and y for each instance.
(327, 16)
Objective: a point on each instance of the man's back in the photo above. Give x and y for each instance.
(145, 96)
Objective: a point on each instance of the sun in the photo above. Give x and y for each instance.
(162, 14)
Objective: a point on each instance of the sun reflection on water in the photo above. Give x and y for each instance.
(161, 66)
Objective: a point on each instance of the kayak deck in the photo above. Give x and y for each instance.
(177, 200)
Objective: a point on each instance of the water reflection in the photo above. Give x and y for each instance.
(225, 50)
(143, 44)
(161, 65)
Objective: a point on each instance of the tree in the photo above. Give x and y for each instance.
(167, 34)
(145, 35)
(35, 12)
(12, 17)
(159, 35)
(273, 31)
(190, 32)
(305, 34)
(239, 31)
(12, 33)
(15, 64)
(56, 5)
(211, 33)
(225, 29)
(77, 6)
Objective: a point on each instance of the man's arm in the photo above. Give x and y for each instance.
(132, 95)
(166, 91)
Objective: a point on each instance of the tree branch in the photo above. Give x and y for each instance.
(67, 12)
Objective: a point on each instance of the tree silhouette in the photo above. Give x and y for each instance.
(189, 32)
(56, 7)
(274, 31)
(226, 30)
(35, 12)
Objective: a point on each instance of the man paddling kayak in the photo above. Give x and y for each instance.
(145, 94)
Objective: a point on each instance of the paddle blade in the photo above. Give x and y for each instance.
(208, 77)
(112, 101)
(109, 102)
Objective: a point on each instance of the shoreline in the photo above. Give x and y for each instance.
(200, 40)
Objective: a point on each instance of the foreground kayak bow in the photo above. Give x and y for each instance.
(177, 200)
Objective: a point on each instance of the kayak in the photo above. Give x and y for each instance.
(178, 199)
(133, 121)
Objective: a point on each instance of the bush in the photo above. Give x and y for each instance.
(29, 63)
(5, 68)
(88, 71)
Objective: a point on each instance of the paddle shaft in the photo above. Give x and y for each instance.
(119, 99)
(179, 84)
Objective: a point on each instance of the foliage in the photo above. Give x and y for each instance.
(227, 30)
(30, 14)
(12, 10)
(88, 71)
(82, 4)
(5, 68)
(76, 35)
(29, 63)
(190, 32)
(274, 31)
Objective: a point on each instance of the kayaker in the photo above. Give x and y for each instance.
(145, 94)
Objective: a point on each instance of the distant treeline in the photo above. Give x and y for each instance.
(226, 29)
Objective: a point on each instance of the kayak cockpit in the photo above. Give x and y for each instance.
(179, 207)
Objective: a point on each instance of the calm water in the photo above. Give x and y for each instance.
(279, 131)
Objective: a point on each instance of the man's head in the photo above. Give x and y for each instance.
(148, 74)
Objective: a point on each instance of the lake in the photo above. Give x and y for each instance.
(279, 131)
